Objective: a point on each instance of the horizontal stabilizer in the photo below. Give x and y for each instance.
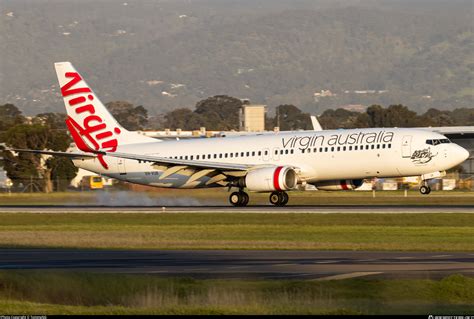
(72, 155)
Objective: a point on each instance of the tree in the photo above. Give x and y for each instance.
(288, 117)
(220, 112)
(51, 120)
(131, 117)
(10, 115)
(183, 118)
(62, 172)
(393, 116)
(341, 118)
(27, 166)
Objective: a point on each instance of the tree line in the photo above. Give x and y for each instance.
(220, 112)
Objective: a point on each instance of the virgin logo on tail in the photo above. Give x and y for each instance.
(93, 128)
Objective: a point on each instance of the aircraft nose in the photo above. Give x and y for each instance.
(461, 154)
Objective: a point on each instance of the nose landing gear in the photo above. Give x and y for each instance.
(279, 198)
(425, 189)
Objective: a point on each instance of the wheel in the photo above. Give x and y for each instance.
(279, 198)
(239, 199)
(285, 199)
(275, 198)
(425, 190)
(235, 198)
(245, 198)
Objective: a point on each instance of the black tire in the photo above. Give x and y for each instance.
(245, 199)
(285, 198)
(275, 198)
(235, 198)
(425, 190)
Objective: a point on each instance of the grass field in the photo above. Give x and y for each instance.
(404, 232)
(171, 197)
(31, 292)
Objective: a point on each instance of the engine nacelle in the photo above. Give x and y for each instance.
(269, 179)
(339, 185)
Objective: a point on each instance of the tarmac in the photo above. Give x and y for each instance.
(244, 264)
(322, 209)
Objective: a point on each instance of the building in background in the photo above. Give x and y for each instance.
(252, 118)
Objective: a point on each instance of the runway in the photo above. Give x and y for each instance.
(322, 209)
(245, 264)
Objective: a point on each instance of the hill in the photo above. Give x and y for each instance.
(169, 54)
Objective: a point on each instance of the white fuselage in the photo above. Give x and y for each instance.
(316, 155)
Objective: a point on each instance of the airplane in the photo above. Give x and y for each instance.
(272, 163)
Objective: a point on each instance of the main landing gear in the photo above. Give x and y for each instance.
(279, 198)
(239, 198)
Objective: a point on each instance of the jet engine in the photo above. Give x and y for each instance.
(269, 179)
(338, 185)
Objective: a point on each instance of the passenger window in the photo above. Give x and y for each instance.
(332, 149)
(338, 148)
(325, 149)
(355, 148)
(286, 151)
(248, 154)
(309, 150)
(241, 154)
(259, 153)
(372, 146)
(220, 155)
(320, 149)
(266, 152)
(378, 146)
(231, 154)
(302, 150)
(344, 148)
(389, 145)
(225, 155)
(291, 151)
(383, 145)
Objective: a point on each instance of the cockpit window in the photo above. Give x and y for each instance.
(436, 142)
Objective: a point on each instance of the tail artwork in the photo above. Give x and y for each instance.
(91, 125)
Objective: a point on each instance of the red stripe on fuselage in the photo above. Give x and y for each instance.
(344, 185)
(276, 178)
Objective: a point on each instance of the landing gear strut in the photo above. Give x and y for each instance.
(279, 198)
(239, 198)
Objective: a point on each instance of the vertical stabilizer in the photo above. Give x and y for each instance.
(89, 122)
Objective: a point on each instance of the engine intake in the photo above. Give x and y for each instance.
(339, 185)
(269, 179)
